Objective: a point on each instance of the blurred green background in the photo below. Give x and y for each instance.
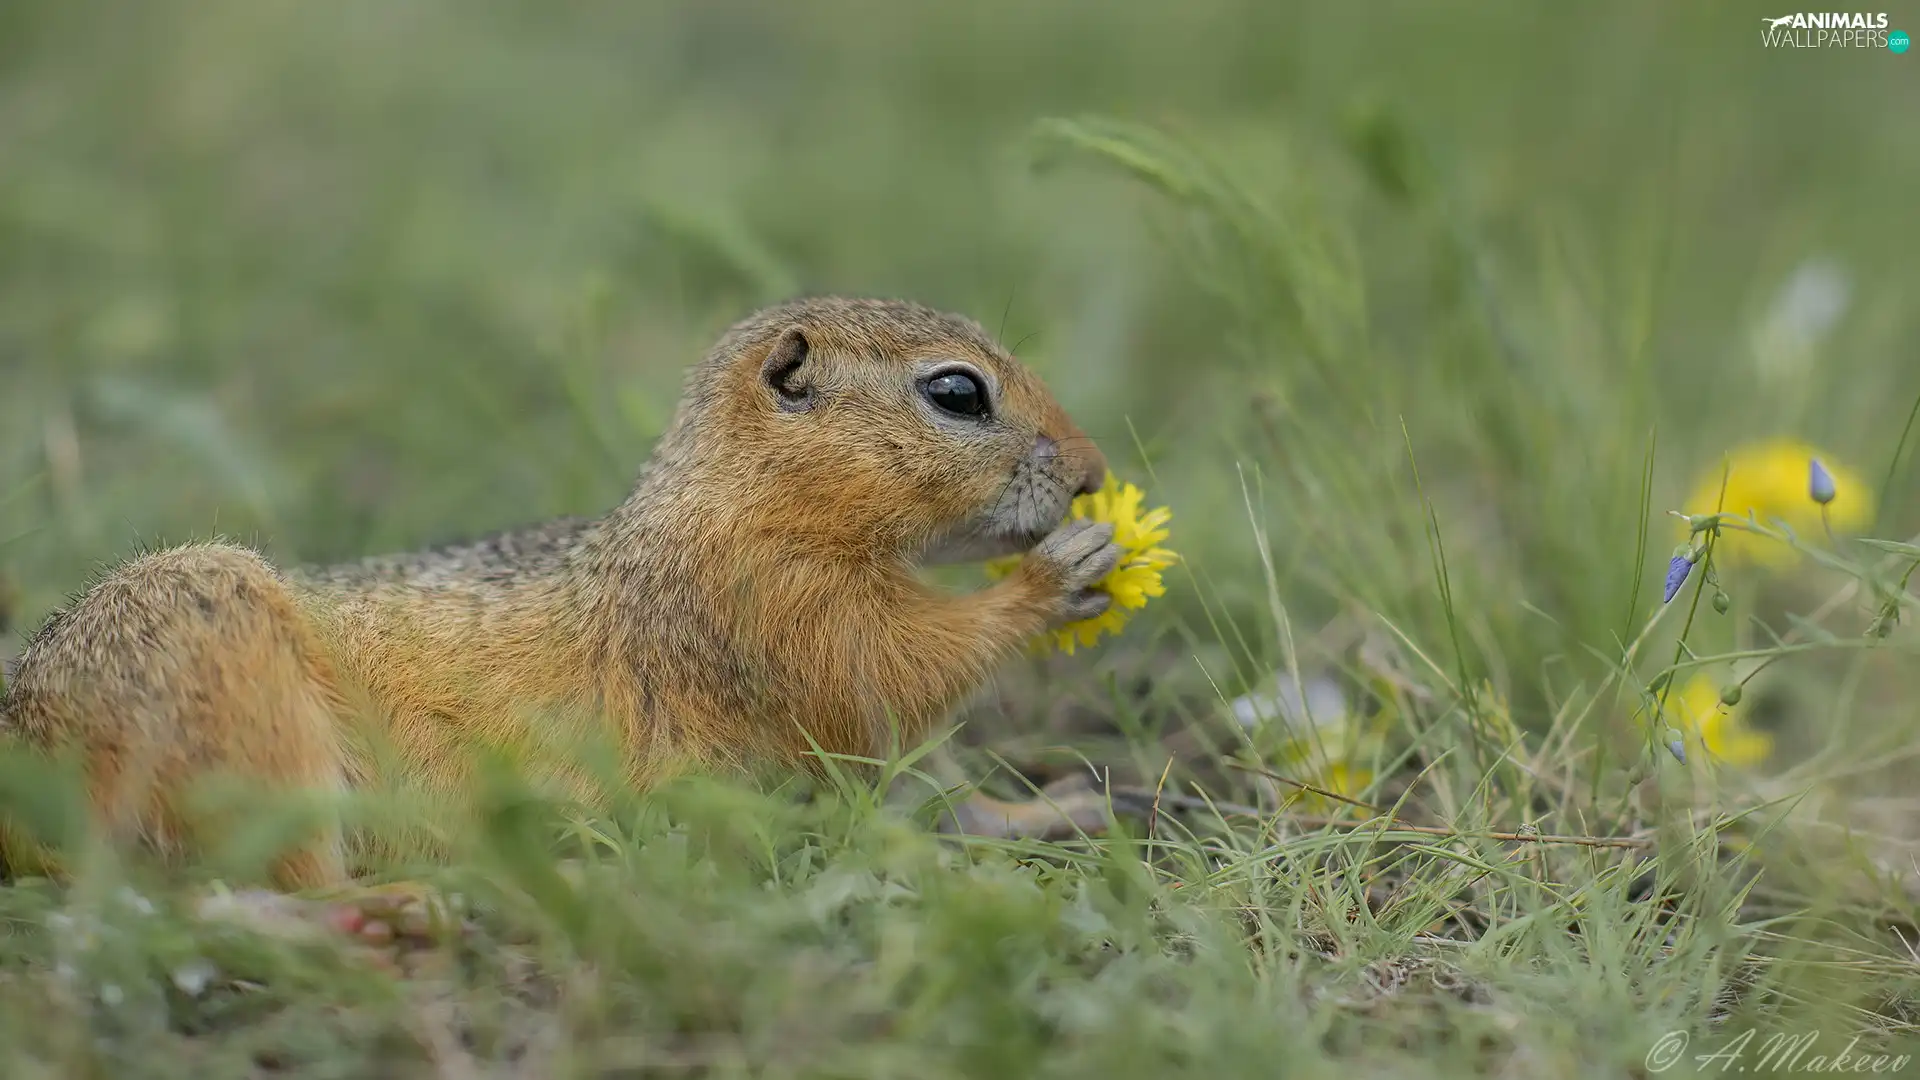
(347, 277)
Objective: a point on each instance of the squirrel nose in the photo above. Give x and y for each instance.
(1045, 450)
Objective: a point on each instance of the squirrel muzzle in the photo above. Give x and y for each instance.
(1037, 497)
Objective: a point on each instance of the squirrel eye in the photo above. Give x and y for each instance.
(958, 393)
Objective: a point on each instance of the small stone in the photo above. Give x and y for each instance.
(193, 978)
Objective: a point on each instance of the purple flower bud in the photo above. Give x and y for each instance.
(1679, 751)
(1820, 482)
(1677, 572)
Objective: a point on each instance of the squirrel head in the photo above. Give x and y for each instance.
(883, 425)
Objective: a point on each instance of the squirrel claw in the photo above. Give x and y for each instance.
(1076, 557)
(393, 926)
(1086, 604)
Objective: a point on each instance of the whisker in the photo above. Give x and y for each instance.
(1057, 482)
(1002, 497)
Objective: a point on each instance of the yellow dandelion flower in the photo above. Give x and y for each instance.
(1134, 580)
(1697, 709)
(1314, 736)
(1337, 775)
(1771, 481)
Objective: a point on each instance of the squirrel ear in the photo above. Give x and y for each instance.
(781, 370)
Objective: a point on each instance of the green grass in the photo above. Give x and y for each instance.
(1421, 317)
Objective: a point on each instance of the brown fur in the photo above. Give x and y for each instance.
(756, 588)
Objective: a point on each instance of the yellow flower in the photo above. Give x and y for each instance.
(1698, 710)
(1770, 480)
(1134, 580)
(1313, 736)
(1339, 776)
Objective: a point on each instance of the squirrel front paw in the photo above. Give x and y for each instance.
(1069, 563)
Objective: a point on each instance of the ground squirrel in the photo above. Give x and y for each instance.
(757, 587)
